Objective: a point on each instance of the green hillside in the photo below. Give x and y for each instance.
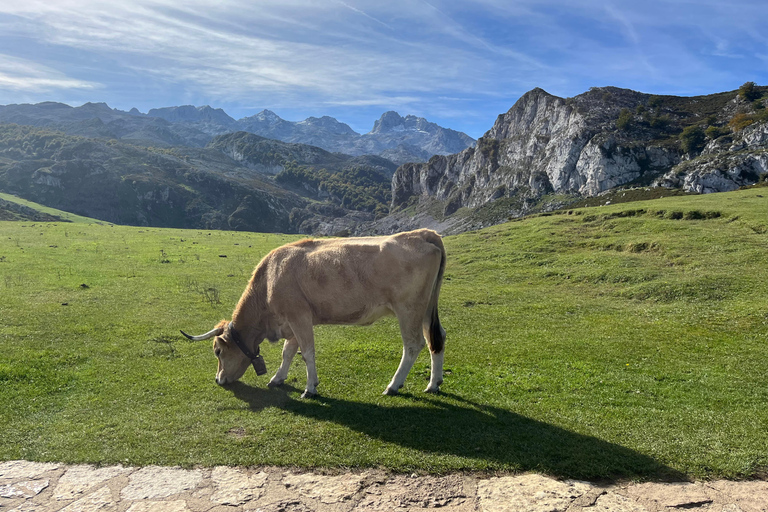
(623, 341)
(16, 208)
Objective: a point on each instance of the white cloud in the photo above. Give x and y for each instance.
(205, 47)
(27, 76)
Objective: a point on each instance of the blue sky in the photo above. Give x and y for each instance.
(459, 64)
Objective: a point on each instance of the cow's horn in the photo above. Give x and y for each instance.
(210, 334)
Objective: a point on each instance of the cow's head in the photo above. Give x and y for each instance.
(232, 361)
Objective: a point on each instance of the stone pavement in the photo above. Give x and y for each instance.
(34, 486)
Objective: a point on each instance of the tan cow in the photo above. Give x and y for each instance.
(336, 281)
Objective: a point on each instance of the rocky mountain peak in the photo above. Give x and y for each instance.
(388, 122)
(96, 107)
(267, 116)
(328, 123)
(192, 114)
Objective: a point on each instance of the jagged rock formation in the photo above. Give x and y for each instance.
(726, 163)
(392, 130)
(582, 146)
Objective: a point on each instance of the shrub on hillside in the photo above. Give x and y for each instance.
(660, 122)
(692, 139)
(740, 121)
(624, 120)
(714, 132)
(748, 91)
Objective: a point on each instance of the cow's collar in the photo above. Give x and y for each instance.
(256, 360)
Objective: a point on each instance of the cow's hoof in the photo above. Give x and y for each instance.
(307, 394)
(275, 383)
(434, 390)
(390, 392)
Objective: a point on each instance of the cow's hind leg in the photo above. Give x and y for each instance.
(305, 338)
(290, 348)
(413, 342)
(436, 376)
(436, 339)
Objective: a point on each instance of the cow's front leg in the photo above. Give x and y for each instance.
(290, 347)
(413, 342)
(305, 338)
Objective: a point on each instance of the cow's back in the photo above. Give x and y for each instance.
(354, 280)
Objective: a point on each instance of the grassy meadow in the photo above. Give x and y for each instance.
(623, 341)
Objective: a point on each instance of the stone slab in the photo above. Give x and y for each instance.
(750, 496)
(159, 506)
(99, 501)
(235, 487)
(671, 495)
(407, 492)
(77, 480)
(153, 482)
(327, 489)
(612, 502)
(528, 493)
(25, 489)
(22, 469)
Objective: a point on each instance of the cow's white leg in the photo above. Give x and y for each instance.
(290, 347)
(436, 375)
(305, 338)
(413, 342)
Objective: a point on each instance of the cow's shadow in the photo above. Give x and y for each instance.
(466, 429)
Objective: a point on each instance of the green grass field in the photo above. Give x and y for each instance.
(626, 341)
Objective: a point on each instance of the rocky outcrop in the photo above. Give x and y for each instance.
(584, 146)
(726, 163)
(543, 144)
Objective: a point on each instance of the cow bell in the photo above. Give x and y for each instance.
(259, 365)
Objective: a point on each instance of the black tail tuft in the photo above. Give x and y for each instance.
(436, 334)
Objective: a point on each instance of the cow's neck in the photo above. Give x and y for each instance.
(248, 316)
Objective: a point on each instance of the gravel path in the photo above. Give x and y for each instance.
(33, 486)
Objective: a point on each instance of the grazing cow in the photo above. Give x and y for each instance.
(336, 281)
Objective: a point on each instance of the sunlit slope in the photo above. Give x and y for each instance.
(64, 216)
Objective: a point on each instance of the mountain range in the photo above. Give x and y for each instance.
(197, 167)
(399, 139)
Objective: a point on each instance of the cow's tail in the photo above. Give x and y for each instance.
(433, 331)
